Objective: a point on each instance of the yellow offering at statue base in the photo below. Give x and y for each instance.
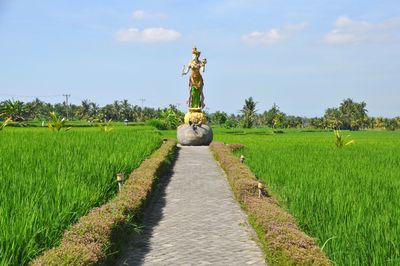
(195, 116)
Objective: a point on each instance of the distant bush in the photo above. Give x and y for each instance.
(157, 123)
(230, 123)
(170, 118)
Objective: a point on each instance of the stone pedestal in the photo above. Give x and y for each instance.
(192, 135)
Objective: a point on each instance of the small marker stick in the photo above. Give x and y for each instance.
(260, 189)
(120, 180)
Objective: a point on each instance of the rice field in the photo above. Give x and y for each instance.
(48, 180)
(348, 199)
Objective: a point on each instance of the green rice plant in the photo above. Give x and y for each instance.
(341, 141)
(106, 127)
(5, 123)
(50, 180)
(56, 124)
(349, 201)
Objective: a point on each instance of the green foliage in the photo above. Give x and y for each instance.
(5, 123)
(277, 121)
(218, 118)
(56, 124)
(350, 198)
(106, 127)
(249, 113)
(273, 117)
(13, 109)
(341, 141)
(49, 180)
(157, 123)
(231, 122)
(333, 118)
(171, 118)
(379, 122)
(350, 115)
(353, 114)
(391, 124)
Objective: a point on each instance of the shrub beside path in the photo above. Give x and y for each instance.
(194, 220)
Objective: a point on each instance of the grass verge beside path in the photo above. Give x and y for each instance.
(282, 240)
(95, 237)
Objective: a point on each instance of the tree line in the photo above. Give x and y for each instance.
(348, 115)
(86, 110)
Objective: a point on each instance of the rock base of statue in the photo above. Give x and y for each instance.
(194, 135)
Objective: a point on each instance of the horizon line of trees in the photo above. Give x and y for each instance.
(348, 115)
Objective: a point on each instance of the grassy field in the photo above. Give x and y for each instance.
(349, 199)
(48, 180)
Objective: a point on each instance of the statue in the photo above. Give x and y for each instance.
(195, 131)
(196, 96)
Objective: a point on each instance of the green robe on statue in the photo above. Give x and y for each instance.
(196, 93)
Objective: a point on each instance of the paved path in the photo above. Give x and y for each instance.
(195, 220)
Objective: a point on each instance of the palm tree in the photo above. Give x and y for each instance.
(84, 109)
(268, 116)
(16, 110)
(249, 112)
(117, 110)
(277, 121)
(35, 109)
(108, 112)
(93, 110)
(333, 118)
(379, 122)
(126, 109)
(354, 115)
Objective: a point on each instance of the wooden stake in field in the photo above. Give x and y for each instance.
(260, 189)
(120, 180)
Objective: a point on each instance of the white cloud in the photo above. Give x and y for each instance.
(272, 36)
(140, 15)
(148, 35)
(349, 31)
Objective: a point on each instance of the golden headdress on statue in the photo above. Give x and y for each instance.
(195, 51)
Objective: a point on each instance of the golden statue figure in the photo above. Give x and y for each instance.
(196, 96)
(195, 130)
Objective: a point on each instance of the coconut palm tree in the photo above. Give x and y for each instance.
(249, 112)
(126, 109)
(354, 115)
(333, 118)
(84, 109)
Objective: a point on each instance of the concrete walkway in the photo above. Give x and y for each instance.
(194, 220)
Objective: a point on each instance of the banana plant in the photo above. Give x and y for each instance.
(106, 127)
(341, 141)
(56, 124)
(5, 123)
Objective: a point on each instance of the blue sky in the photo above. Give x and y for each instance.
(303, 55)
